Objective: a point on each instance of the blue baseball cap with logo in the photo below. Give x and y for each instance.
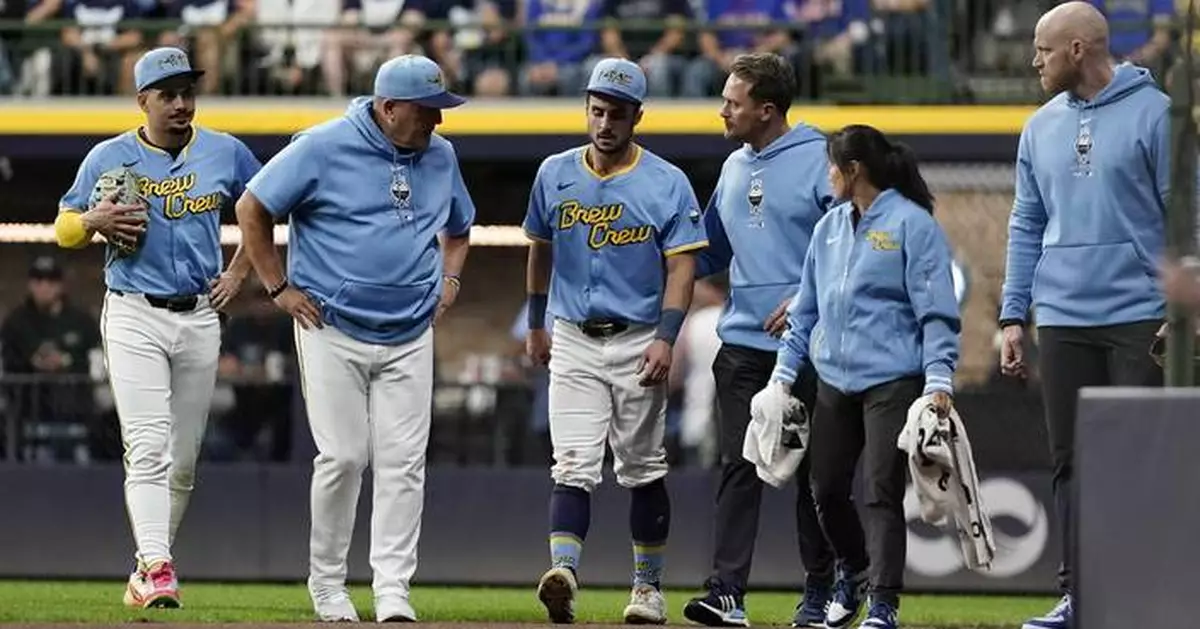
(161, 64)
(619, 78)
(416, 79)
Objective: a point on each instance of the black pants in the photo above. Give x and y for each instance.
(1072, 358)
(740, 373)
(866, 424)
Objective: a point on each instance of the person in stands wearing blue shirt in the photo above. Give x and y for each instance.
(876, 316)
(559, 61)
(719, 47)
(1141, 29)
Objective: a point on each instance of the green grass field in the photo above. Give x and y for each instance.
(100, 603)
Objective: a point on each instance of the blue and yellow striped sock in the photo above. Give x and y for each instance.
(565, 550)
(647, 564)
(570, 515)
(649, 525)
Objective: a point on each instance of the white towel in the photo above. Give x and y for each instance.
(777, 436)
(943, 472)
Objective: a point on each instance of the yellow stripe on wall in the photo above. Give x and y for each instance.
(66, 116)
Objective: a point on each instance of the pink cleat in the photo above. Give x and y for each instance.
(155, 586)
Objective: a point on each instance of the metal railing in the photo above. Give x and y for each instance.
(71, 420)
(933, 56)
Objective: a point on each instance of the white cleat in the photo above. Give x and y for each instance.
(556, 590)
(647, 606)
(333, 605)
(394, 609)
(134, 589)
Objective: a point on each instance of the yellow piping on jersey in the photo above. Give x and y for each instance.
(137, 133)
(637, 158)
(69, 230)
(686, 248)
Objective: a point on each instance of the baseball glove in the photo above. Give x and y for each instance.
(123, 182)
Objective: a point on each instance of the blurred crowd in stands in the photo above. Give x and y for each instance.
(546, 47)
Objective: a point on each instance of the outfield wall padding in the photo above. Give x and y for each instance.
(481, 526)
(1138, 474)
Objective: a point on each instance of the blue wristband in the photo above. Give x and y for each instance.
(537, 312)
(669, 325)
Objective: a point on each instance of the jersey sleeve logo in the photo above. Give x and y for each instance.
(600, 221)
(174, 192)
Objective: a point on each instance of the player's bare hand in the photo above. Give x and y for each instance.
(1012, 352)
(302, 309)
(942, 403)
(655, 365)
(449, 296)
(537, 346)
(777, 323)
(117, 222)
(224, 288)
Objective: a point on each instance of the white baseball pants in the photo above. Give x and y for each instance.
(595, 398)
(366, 404)
(162, 367)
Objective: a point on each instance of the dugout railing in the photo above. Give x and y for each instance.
(70, 420)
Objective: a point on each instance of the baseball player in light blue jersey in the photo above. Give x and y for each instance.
(615, 230)
(160, 326)
(380, 221)
(877, 318)
(771, 193)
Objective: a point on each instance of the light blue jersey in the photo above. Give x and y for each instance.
(876, 301)
(186, 196)
(610, 234)
(364, 219)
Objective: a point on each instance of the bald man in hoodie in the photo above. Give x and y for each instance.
(1086, 231)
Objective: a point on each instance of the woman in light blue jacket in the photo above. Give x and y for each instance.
(877, 316)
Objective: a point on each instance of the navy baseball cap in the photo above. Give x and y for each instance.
(416, 79)
(161, 64)
(619, 78)
(45, 268)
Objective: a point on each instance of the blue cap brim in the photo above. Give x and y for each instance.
(193, 74)
(445, 100)
(615, 93)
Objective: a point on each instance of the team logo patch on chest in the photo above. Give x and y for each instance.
(882, 241)
(1083, 149)
(401, 192)
(755, 197)
(400, 189)
(601, 223)
(177, 195)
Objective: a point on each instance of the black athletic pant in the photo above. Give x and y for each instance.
(740, 373)
(1072, 358)
(866, 424)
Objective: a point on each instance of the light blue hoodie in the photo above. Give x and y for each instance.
(364, 218)
(759, 221)
(1087, 228)
(876, 302)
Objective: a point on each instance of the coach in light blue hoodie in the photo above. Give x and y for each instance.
(1086, 234)
(379, 224)
(877, 316)
(771, 193)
